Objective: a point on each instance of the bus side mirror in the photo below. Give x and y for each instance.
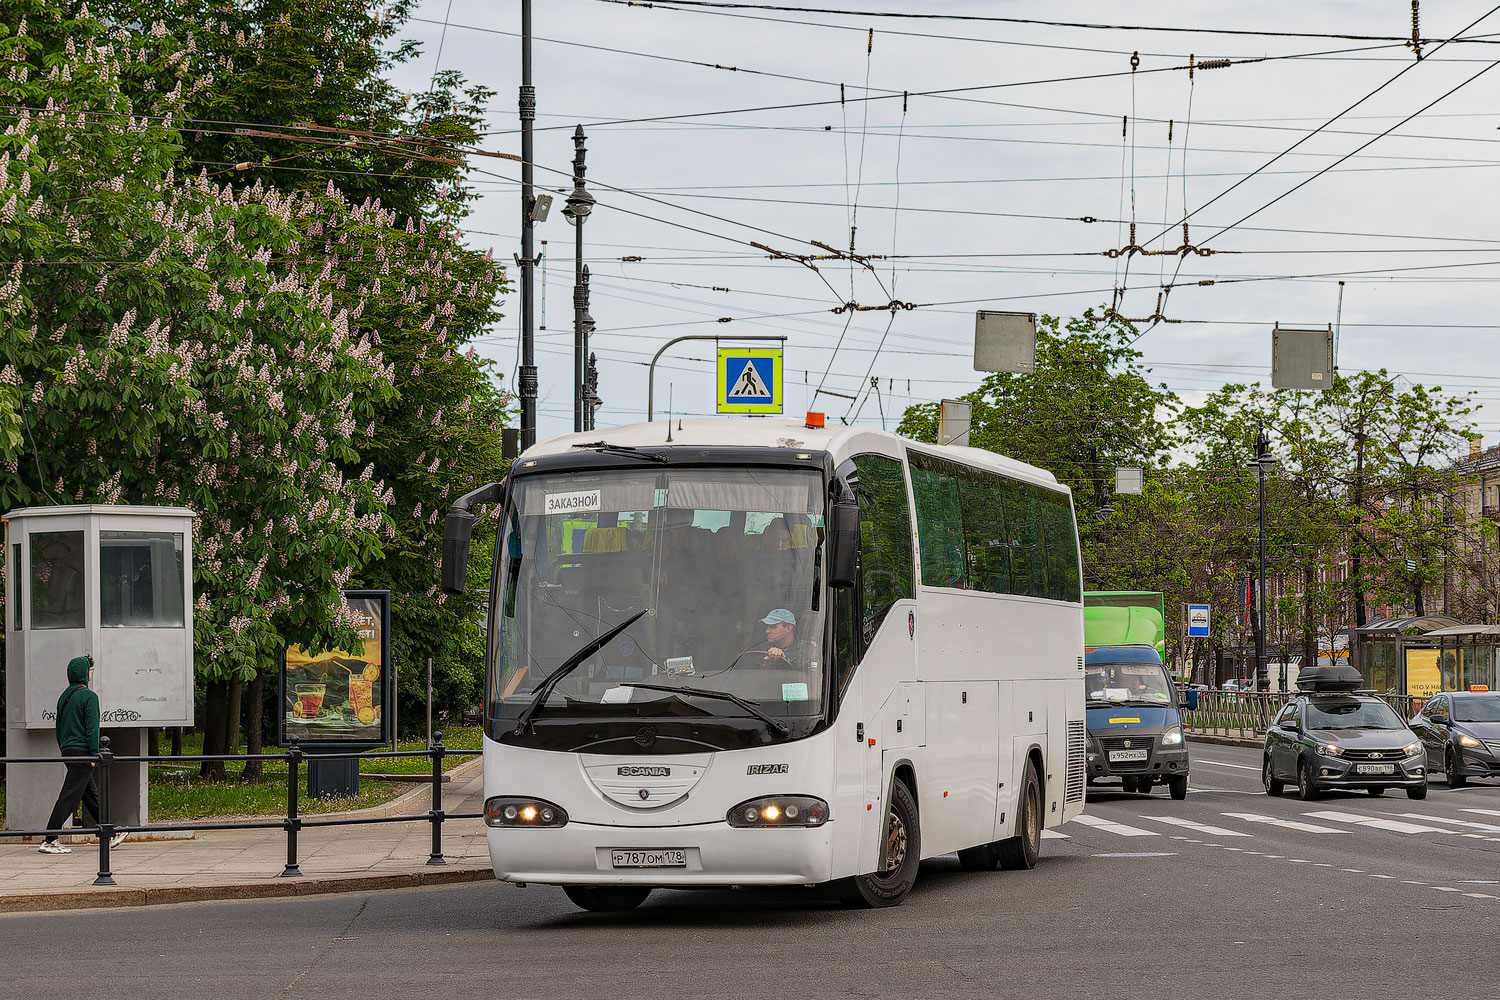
(458, 529)
(843, 543)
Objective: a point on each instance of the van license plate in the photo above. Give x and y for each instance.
(1375, 768)
(648, 859)
(1120, 756)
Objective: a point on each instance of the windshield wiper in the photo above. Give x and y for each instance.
(624, 449)
(748, 706)
(569, 665)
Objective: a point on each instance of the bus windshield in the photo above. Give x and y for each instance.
(1116, 683)
(727, 563)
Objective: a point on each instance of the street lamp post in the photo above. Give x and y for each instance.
(580, 204)
(1262, 462)
(527, 107)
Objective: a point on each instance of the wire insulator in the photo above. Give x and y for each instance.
(1135, 61)
(1215, 64)
(1191, 65)
(1169, 130)
(1416, 29)
(870, 46)
(1124, 125)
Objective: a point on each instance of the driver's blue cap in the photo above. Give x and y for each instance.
(779, 616)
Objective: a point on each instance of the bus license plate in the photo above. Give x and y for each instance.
(648, 859)
(1120, 756)
(1375, 768)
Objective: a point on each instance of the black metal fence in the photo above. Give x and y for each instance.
(1248, 714)
(291, 823)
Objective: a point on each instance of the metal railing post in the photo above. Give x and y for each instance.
(436, 815)
(106, 828)
(293, 824)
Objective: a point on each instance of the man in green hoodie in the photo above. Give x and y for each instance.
(77, 736)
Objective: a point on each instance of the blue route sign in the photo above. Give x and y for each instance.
(1197, 621)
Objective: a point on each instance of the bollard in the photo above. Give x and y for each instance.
(292, 824)
(436, 814)
(106, 829)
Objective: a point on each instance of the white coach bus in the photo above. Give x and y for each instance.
(751, 652)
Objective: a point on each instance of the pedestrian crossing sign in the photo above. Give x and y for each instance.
(750, 380)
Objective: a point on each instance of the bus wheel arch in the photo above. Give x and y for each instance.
(901, 835)
(1020, 851)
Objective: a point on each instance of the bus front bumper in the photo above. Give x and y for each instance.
(715, 854)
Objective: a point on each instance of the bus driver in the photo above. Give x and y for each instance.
(784, 648)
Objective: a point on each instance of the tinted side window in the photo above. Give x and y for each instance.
(1022, 538)
(1060, 548)
(884, 537)
(940, 532)
(984, 532)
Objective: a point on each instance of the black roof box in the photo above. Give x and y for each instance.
(1322, 678)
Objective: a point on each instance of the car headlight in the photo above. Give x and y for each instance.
(1465, 740)
(1412, 749)
(513, 811)
(1172, 737)
(1330, 750)
(779, 810)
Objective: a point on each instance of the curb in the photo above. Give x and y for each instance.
(116, 898)
(1225, 741)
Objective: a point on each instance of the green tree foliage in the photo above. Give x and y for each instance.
(1364, 480)
(165, 346)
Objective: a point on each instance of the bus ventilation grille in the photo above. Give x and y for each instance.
(1077, 751)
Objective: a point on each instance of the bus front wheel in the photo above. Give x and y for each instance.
(607, 898)
(902, 850)
(1021, 851)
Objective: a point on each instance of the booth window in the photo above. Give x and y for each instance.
(14, 590)
(57, 579)
(140, 579)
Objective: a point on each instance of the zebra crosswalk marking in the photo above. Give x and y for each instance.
(1213, 831)
(1287, 824)
(1375, 823)
(1119, 829)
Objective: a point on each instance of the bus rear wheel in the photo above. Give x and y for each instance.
(1021, 851)
(607, 898)
(902, 849)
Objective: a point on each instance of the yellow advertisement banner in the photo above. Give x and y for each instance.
(1423, 678)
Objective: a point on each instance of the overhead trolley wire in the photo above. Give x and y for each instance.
(994, 19)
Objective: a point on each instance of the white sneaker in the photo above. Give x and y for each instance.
(118, 839)
(53, 847)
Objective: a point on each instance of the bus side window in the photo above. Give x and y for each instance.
(884, 538)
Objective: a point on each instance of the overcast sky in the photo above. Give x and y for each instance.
(990, 183)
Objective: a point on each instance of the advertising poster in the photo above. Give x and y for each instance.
(1423, 678)
(339, 696)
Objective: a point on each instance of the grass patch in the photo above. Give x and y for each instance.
(178, 793)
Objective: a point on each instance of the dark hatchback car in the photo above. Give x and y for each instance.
(1333, 739)
(1461, 732)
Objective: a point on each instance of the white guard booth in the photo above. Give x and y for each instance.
(114, 582)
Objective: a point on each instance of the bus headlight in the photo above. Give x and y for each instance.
(1172, 737)
(512, 811)
(779, 810)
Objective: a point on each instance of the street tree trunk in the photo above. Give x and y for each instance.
(1309, 620)
(232, 716)
(254, 723)
(215, 725)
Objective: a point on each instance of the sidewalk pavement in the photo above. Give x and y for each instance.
(247, 864)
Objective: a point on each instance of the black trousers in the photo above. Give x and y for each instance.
(77, 787)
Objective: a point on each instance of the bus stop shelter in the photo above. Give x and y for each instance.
(1397, 656)
(1466, 656)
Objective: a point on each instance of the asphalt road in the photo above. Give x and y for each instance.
(1228, 894)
